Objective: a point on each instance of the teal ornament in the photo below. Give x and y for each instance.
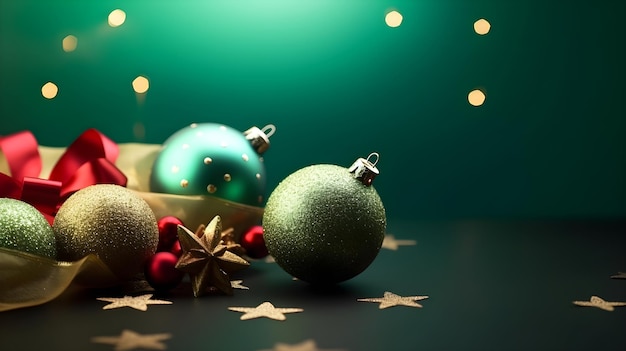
(324, 224)
(213, 160)
(23, 228)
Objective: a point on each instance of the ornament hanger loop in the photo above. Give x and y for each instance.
(373, 154)
(364, 170)
(269, 130)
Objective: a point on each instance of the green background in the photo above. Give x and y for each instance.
(338, 84)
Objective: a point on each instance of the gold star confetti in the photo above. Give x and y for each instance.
(236, 284)
(138, 302)
(598, 302)
(207, 259)
(130, 340)
(266, 309)
(390, 299)
(307, 345)
(391, 243)
(619, 275)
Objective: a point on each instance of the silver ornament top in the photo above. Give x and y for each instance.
(259, 138)
(364, 169)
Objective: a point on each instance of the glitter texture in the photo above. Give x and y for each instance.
(110, 221)
(322, 225)
(23, 228)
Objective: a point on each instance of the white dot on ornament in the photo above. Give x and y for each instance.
(49, 90)
(227, 177)
(208, 160)
(193, 125)
(70, 43)
(211, 188)
(117, 18)
(258, 176)
(393, 19)
(184, 183)
(482, 26)
(175, 169)
(185, 146)
(222, 127)
(476, 97)
(245, 157)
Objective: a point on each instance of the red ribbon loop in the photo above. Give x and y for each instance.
(89, 160)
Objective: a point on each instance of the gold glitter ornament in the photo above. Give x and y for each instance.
(24, 228)
(111, 222)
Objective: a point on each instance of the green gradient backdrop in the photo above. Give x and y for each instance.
(338, 84)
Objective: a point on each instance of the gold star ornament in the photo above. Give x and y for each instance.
(130, 340)
(266, 309)
(306, 345)
(138, 302)
(207, 259)
(390, 299)
(598, 302)
(391, 243)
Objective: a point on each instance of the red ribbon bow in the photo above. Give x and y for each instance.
(89, 160)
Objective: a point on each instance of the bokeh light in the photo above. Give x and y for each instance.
(70, 43)
(476, 97)
(393, 19)
(117, 18)
(141, 84)
(482, 26)
(49, 90)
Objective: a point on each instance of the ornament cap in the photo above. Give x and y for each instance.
(259, 138)
(364, 169)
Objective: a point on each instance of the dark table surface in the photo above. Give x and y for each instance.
(492, 285)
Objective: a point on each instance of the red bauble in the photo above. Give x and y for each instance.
(161, 272)
(168, 232)
(252, 240)
(176, 249)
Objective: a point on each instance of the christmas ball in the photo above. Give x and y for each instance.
(322, 225)
(212, 159)
(161, 272)
(254, 244)
(168, 232)
(111, 222)
(23, 228)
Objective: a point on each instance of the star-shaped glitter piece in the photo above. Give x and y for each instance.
(130, 340)
(391, 243)
(306, 345)
(598, 302)
(266, 309)
(137, 302)
(619, 275)
(237, 284)
(207, 259)
(390, 299)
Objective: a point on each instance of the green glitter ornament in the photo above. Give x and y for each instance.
(324, 224)
(214, 160)
(24, 228)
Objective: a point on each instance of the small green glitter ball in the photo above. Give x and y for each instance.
(110, 221)
(322, 225)
(23, 228)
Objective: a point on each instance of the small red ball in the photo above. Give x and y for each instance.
(161, 272)
(168, 232)
(176, 249)
(252, 240)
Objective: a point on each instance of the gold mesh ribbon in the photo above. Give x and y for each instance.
(29, 280)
